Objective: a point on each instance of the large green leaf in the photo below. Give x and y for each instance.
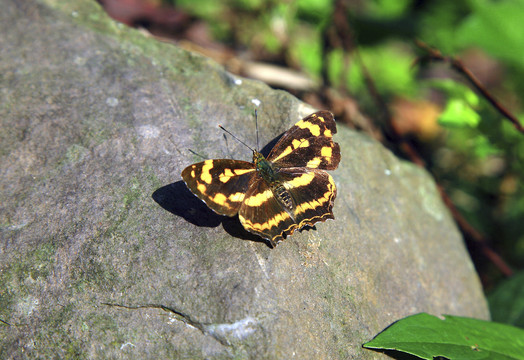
(453, 337)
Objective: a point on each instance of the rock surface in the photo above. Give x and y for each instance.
(96, 121)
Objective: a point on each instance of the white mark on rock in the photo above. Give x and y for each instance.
(262, 263)
(387, 172)
(148, 131)
(79, 60)
(126, 345)
(28, 305)
(16, 226)
(112, 101)
(240, 329)
(431, 202)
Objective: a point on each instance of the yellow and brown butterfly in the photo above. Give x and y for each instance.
(275, 196)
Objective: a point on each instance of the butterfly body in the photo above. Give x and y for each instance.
(270, 174)
(276, 195)
(264, 168)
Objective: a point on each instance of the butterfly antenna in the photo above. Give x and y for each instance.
(256, 127)
(237, 139)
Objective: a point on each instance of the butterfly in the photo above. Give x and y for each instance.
(276, 195)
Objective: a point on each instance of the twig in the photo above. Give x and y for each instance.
(435, 55)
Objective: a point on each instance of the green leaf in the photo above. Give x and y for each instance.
(314, 9)
(458, 113)
(481, 147)
(387, 8)
(506, 302)
(493, 26)
(307, 51)
(459, 110)
(391, 69)
(454, 89)
(455, 338)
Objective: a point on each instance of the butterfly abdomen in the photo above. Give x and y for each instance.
(284, 198)
(267, 171)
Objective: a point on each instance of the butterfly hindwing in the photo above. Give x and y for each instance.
(262, 214)
(308, 143)
(312, 191)
(221, 184)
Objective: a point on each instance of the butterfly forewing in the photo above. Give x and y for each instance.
(309, 143)
(221, 183)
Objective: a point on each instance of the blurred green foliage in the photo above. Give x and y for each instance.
(507, 301)
(478, 156)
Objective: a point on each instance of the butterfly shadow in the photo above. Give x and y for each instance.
(178, 200)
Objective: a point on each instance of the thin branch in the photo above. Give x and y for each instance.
(435, 55)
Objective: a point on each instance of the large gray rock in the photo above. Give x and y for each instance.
(96, 120)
